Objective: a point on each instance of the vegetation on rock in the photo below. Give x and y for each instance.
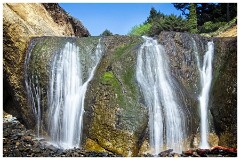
(158, 22)
(199, 18)
(192, 21)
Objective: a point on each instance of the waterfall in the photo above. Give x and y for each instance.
(206, 79)
(66, 95)
(34, 92)
(166, 119)
(71, 68)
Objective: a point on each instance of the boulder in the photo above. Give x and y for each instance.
(115, 116)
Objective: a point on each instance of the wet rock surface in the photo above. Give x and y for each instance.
(21, 22)
(116, 118)
(20, 142)
(223, 94)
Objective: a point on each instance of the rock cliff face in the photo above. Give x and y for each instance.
(112, 93)
(224, 91)
(223, 99)
(116, 118)
(115, 115)
(62, 18)
(20, 23)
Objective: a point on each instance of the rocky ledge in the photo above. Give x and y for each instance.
(20, 142)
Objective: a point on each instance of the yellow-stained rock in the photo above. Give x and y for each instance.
(91, 145)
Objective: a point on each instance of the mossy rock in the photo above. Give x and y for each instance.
(117, 118)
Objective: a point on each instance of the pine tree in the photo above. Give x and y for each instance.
(106, 33)
(192, 21)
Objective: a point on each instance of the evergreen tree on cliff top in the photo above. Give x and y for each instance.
(192, 21)
(214, 12)
(106, 33)
(154, 14)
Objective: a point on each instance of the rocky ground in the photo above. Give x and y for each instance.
(20, 142)
(217, 151)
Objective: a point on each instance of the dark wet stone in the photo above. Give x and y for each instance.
(59, 151)
(195, 154)
(203, 152)
(148, 155)
(51, 147)
(37, 150)
(166, 153)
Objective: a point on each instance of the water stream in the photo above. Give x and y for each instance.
(69, 75)
(70, 72)
(206, 79)
(34, 93)
(166, 123)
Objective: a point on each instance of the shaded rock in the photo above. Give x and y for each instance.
(217, 151)
(195, 154)
(188, 152)
(224, 91)
(62, 18)
(224, 149)
(166, 153)
(203, 152)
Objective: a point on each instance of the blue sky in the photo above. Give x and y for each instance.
(119, 18)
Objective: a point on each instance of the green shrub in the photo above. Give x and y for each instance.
(209, 26)
(140, 30)
(169, 23)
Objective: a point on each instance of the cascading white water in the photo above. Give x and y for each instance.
(166, 119)
(66, 95)
(206, 79)
(34, 93)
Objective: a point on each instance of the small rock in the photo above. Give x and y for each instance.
(51, 147)
(37, 150)
(195, 154)
(26, 138)
(166, 153)
(203, 152)
(188, 152)
(176, 155)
